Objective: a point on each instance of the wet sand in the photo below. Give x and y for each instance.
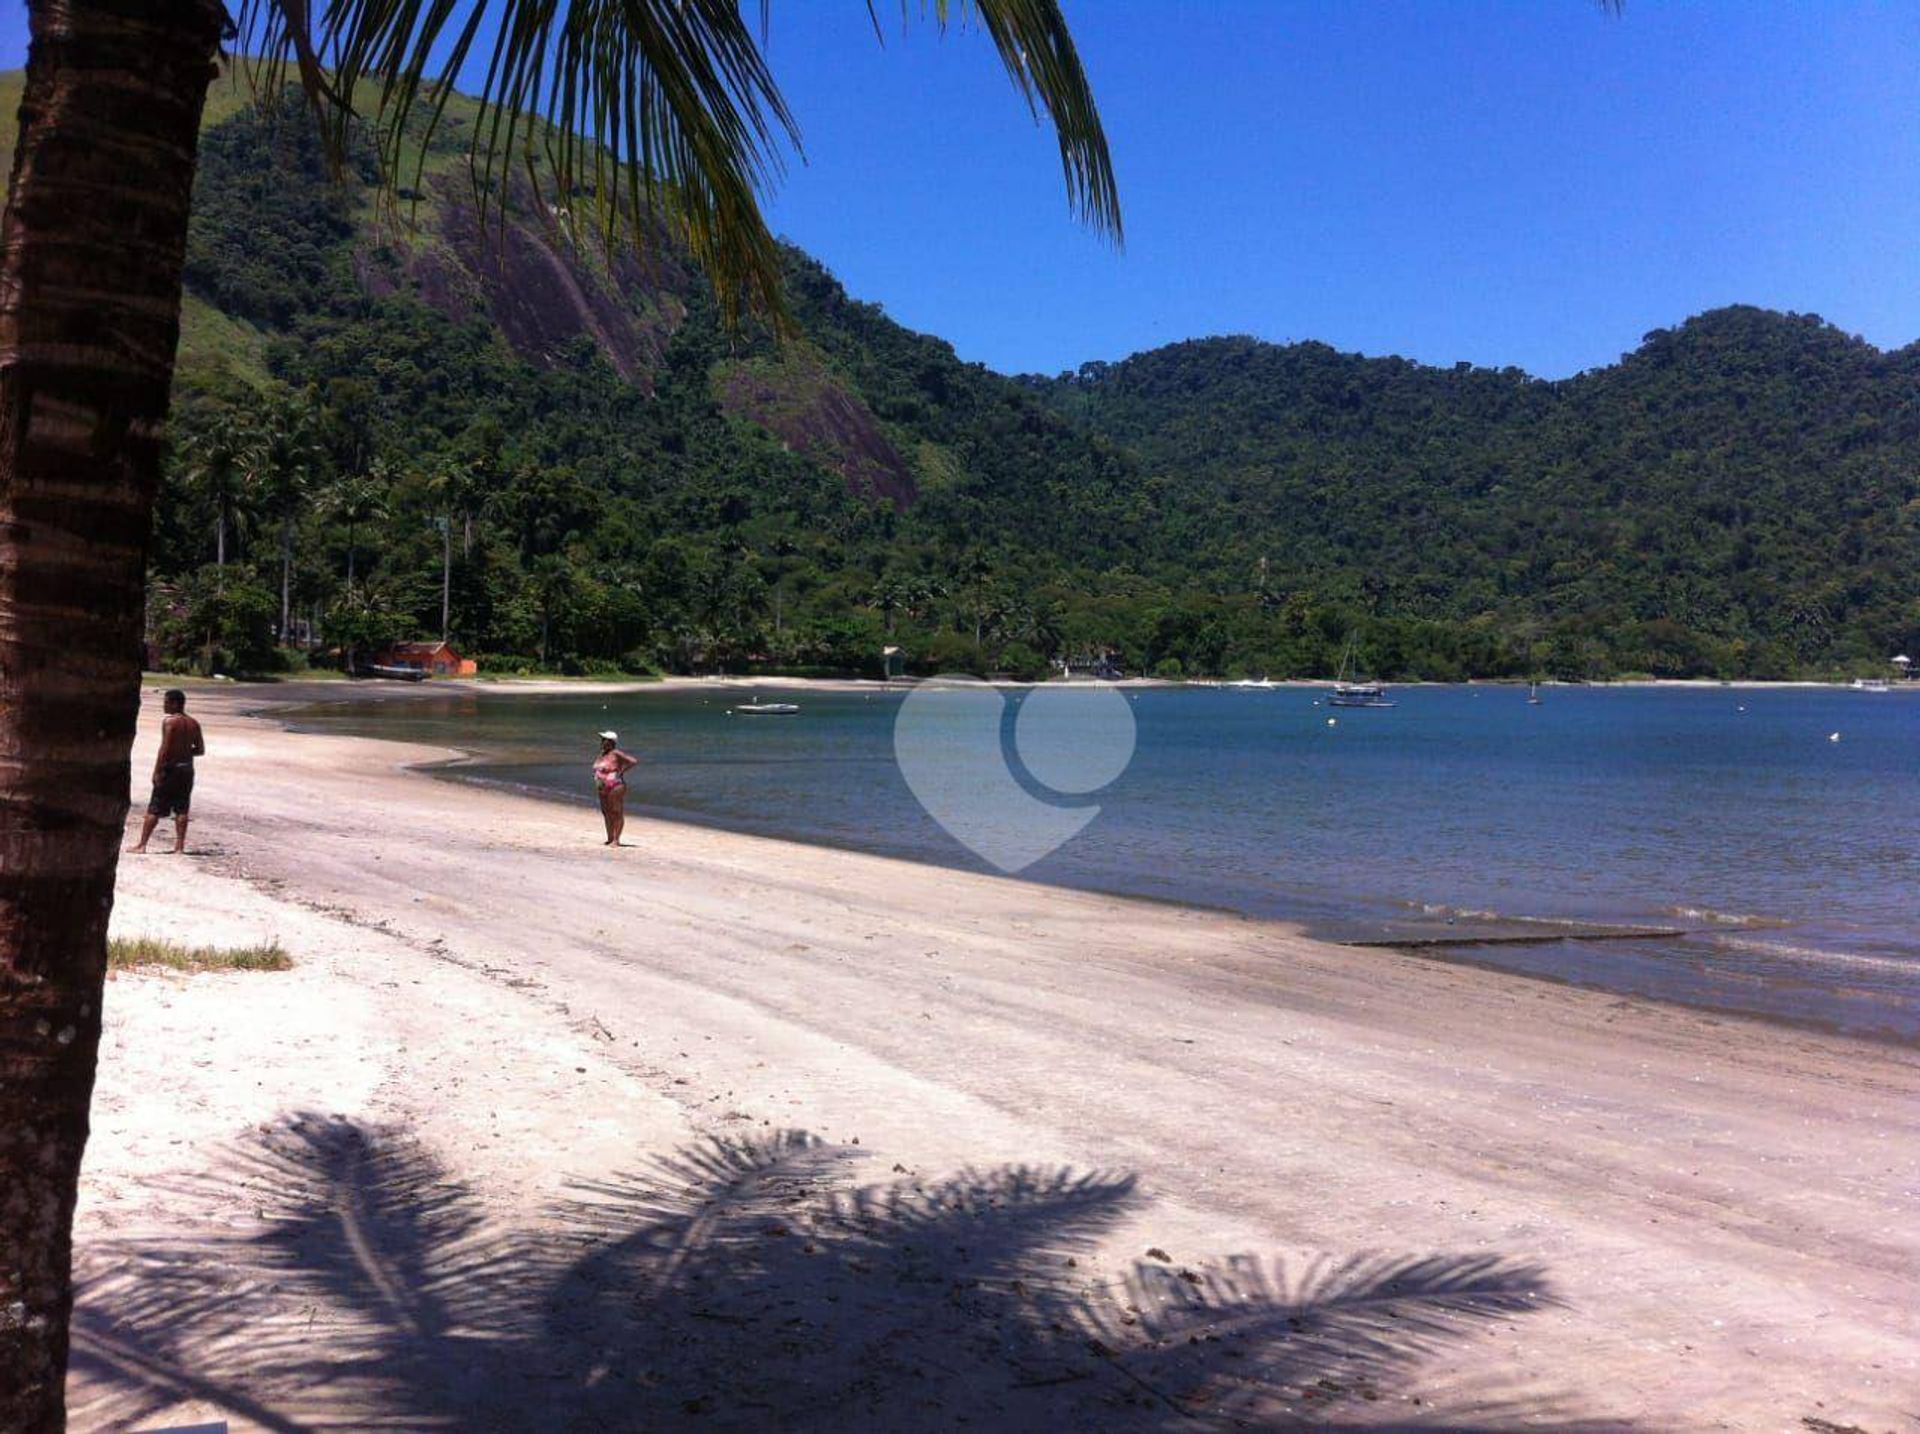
(721, 1132)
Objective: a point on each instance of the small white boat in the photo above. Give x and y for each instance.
(767, 709)
(390, 674)
(1533, 694)
(1872, 684)
(1358, 694)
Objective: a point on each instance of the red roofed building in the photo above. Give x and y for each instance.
(436, 659)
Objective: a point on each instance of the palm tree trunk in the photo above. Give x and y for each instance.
(220, 537)
(286, 575)
(91, 249)
(446, 578)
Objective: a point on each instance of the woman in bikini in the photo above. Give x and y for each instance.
(610, 784)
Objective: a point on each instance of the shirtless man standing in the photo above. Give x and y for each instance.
(180, 743)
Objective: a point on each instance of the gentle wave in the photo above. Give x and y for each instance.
(1726, 918)
(1821, 955)
(1476, 913)
(1573, 926)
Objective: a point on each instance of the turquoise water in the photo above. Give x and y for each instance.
(1788, 861)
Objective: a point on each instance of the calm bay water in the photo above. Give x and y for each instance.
(1790, 861)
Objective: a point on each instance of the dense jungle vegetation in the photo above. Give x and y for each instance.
(380, 422)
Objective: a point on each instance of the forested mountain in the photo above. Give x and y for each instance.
(1741, 493)
(371, 404)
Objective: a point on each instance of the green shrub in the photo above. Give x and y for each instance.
(954, 652)
(502, 664)
(1022, 663)
(639, 663)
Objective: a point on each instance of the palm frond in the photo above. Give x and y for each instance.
(642, 107)
(647, 108)
(1039, 54)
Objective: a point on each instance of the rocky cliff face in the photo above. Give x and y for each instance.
(800, 402)
(545, 288)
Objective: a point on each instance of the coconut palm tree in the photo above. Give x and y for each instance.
(289, 457)
(358, 501)
(444, 483)
(891, 594)
(91, 251)
(553, 583)
(221, 465)
(480, 476)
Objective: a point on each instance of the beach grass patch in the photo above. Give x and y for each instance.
(128, 953)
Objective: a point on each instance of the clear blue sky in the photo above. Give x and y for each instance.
(1526, 182)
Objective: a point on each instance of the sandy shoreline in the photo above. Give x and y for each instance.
(1118, 1165)
(337, 688)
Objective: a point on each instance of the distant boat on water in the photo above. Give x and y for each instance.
(388, 673)
(767, 709)
(1358, 694)
(1348, 693)
(1533, 694)
(1872, 684)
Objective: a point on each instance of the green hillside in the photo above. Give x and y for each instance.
(621, 484)
(1741, 493)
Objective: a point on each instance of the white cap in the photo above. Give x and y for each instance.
(610, 736)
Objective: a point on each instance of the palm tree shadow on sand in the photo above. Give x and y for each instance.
(758, 1283)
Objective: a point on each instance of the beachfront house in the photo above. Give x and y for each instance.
(436, 659)
(893, 662)
(1102, 664)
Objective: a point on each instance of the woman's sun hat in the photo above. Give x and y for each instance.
(609, 736)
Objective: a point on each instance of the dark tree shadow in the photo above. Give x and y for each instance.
(758, 1284)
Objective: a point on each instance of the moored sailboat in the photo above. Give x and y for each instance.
(1347, 693)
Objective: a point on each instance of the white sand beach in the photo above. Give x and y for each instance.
(719, 1132)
